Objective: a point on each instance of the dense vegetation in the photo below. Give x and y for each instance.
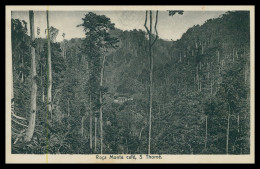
(200, 100)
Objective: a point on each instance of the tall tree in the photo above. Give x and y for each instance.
(151, 43)
(90, 123)
(96, 44)
(49, 70)
(31, 126)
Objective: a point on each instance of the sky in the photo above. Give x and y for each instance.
(169, 27)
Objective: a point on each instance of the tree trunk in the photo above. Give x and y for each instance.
(159, 116)
(82, 126)
(206, 133)
(238, 123)
(194, 83)
(42, 86)
(208, 70)
(238, 131)
(200, 84)
(233, 57)
(49, 78)
(211, 86)
(245, 75)
(30, 130)
(90, 123)
(140, 135)
(22, 79)
(227, 131)
(151, 43)
(95, 134)
(198, 81)
(151, 84)
(68, 107)
(101, 103)
(218, 57)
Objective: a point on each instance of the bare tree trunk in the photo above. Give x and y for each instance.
(245, 75)
(140, 135)
(82, 125)
(151, 83)
(90, 123)
(198, 81)
(206, 132)
(159, 116)
(227, 131)
(30, 130)
(101, 103)
(233, 57)
(194, 83)
(68, 107)
(218, 56)
(49, 78)
(95, 134)
(22, 79)
(211, 87)
(238, 130)
(208, 70)
(151, 43)
(101, 127)
(42, 86)
(238, 123)
(200, 84)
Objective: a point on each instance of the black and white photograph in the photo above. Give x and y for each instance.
(150, 84)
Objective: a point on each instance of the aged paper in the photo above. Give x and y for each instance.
(179, 89)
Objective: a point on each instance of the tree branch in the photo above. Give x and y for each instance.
(145, 22)
(18, 117)
(155, 28)
(19, 123)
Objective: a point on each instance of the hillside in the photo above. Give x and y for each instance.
(190, 73)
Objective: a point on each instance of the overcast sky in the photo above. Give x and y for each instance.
(169, 27)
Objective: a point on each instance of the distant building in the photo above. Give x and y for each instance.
(122, 99)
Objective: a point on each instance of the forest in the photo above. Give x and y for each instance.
(131, 92)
